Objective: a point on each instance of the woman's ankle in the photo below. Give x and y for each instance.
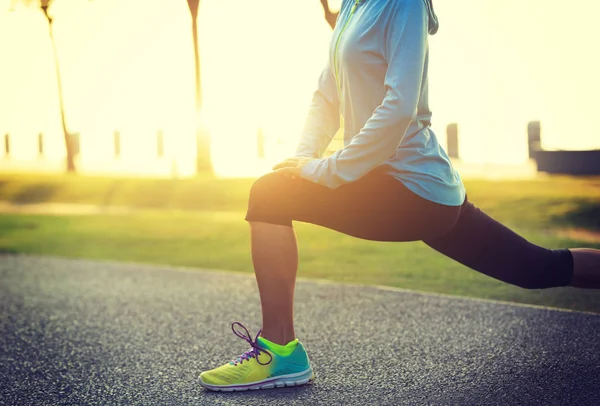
(281, 336)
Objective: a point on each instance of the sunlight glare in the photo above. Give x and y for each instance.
(128, 67)
(260, 75)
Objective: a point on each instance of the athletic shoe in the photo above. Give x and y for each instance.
(260, 367)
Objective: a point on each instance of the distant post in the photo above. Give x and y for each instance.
(160, 143)
(7, 144)
(452, 139)
(534, 137)
(117, 141)
(40, 144)
(260, 139)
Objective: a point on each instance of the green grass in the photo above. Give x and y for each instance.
(200, 223)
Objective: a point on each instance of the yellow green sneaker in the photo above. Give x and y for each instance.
(260, 367)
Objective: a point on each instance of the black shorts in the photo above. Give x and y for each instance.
(379, 207)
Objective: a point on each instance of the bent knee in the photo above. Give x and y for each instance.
(264, 189)
(266, 200)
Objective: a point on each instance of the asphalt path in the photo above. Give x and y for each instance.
(76, 332)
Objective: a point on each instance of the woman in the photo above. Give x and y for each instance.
(390, 182)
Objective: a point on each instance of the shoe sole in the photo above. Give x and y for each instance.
(298, 379)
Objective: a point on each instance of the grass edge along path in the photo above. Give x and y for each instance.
(199, 223)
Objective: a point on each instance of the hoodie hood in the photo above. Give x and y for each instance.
(433, 20)
(434, 23)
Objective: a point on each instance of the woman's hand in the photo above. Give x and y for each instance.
(292, 167)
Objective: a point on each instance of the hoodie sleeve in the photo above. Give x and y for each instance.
(404, 47)
(323, 120)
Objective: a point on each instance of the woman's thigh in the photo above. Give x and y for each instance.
(487, 246)
(376, 207)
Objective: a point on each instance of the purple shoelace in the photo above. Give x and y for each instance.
(253, 352)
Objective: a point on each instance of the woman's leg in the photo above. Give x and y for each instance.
(483, 244)
(275, 259)
(377, 207)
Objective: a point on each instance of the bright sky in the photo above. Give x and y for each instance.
(128, 65)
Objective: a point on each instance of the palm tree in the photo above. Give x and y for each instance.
(329, 16)
(202, 137)
(69, 144)
(203, 162)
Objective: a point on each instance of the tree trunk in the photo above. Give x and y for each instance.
(329, 16)
(203, 161)
(68, 139)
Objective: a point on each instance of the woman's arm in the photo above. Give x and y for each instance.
(323, 118)
(404, 49)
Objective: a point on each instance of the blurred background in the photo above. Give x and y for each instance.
(127, 72)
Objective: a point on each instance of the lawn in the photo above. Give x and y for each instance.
(200, 223)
